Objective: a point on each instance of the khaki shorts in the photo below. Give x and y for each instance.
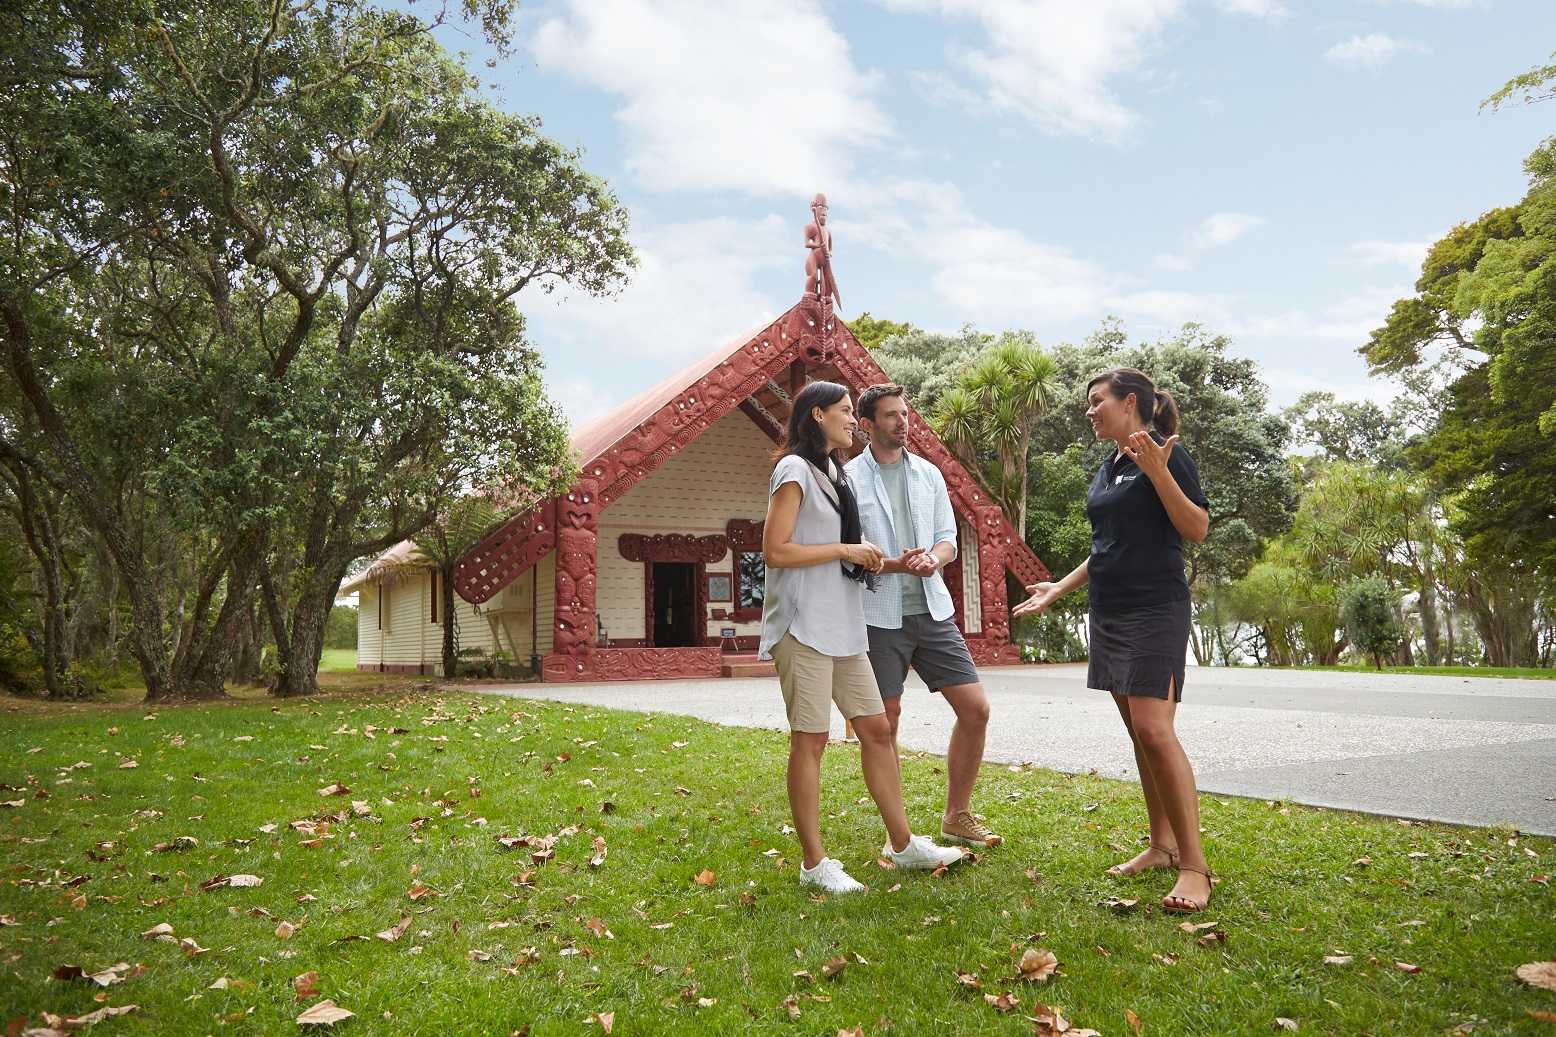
(811, 682)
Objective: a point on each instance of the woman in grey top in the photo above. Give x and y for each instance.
(813, 629)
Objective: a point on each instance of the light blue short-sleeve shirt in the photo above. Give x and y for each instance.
(819, 605)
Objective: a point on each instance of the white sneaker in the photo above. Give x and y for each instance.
(830, 876)
(922, 854)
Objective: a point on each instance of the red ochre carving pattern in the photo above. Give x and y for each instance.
(744, 534)
(671, 547)
(808, 331)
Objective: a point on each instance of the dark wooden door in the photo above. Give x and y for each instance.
(675, 605)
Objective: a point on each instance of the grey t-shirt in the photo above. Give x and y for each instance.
(895, 478)
(820, 606)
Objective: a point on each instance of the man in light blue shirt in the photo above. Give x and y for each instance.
(905, 510)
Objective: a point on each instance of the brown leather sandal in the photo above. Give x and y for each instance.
(1171, 903)
(1118, 872)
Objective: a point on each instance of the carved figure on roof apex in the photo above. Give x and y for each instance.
(819, 282)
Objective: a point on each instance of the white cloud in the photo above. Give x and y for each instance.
(694, 289)
(1348, 321)
(1273, 10)
(581, 399)
(1287, 384)
(1223, 228)
(755, 97)
(1370, 51)
(1381, 253)
(1054, 61)
(1172, 261)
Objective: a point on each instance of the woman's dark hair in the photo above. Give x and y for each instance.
(804, 435)
(1156, 407)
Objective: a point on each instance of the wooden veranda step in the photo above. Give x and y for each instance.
(745, 664)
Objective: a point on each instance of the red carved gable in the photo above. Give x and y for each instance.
(626, 446)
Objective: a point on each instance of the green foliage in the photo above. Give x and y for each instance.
(1485, 306)
(1538, 84)
(1348, 430)
(1369, 608)
(927, 364)
(341, 629)
(988, 416)
(18, 664)
(873, 331)
(1296, 612)
(260, 272)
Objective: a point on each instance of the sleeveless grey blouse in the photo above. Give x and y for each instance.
(820, 606)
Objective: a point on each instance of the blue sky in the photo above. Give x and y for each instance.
(1273, 169)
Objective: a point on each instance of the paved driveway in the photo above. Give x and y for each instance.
(1466, 750)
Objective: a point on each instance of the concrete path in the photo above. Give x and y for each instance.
(1477, 751)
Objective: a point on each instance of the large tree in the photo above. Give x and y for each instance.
(992, 409)
(258, 284)
(1484, 312)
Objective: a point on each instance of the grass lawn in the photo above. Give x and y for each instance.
(338, 660)
(1530, 672)
(494, 940)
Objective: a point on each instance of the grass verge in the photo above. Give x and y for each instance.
(1526, 672)
(497, 939)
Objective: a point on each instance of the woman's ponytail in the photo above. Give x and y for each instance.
(1165, 417)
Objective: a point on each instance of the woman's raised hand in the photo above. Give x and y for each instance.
(1043, 595)
(1150, 458)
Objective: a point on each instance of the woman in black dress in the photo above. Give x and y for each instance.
(1142, 504)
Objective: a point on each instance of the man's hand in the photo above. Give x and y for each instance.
(919, 562)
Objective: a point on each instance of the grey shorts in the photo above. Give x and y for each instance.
(934, 648)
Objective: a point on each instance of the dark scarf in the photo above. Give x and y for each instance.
(847, 507)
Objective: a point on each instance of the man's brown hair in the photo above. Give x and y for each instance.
(875, 393)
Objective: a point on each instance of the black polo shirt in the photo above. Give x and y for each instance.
(1136, 552)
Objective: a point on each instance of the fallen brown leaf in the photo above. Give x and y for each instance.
(606, 1020)
(76, 1022)
(1540, 974)
(1005, 1002)
(325, 1013)
(834, 966)
(705, 877)
(336, 789)
(1286, 1024)
(1405, 966)
(394, 932)
(1037, 965)
(1134, 1021)
(967, 979)
(791, 1004)
(306, 986)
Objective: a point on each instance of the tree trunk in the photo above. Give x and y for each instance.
(300, 637)
(248, 657)
(38, 531)
(445, 577)
(1430, 633)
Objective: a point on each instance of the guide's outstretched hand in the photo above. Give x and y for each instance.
(1043, 595)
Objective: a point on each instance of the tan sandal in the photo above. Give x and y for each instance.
(1171, 902)
(1118, 872)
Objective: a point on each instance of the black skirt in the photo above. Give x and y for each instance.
(1139, 651)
